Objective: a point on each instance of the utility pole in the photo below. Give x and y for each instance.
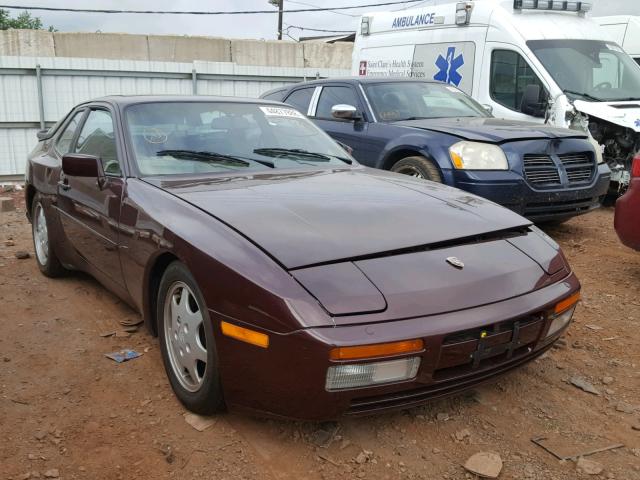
(280, 8)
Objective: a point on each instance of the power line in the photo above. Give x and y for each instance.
(312, 5)
(234, 12)
(320, 29)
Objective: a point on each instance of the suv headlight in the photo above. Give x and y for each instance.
(478, 156)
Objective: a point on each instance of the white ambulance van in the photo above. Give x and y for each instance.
(536, 60)
(625, 31)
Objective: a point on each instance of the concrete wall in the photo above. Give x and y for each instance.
(29, 43)
(173, 48)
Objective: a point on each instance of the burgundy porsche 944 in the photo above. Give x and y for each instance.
(281, 276)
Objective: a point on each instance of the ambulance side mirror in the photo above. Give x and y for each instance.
(531, 104)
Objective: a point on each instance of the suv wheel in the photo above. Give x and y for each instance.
(418, 167)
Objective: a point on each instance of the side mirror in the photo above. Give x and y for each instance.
(87, 166)
(531, 104)
(43, 134)
(345, 112)
(487, 108)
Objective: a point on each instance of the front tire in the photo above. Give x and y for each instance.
(46, 258)
(187, 343)
(418, 167)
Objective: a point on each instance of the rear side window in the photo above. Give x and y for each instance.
(63, 144)
(331, 96)
(301, 99)
(97, 138)
(510, 75)
(276, 96)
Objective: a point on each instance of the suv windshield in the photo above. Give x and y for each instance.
(393, 101)
(215, 137)
(589, 69)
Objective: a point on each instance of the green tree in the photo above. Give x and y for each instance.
(24, 20)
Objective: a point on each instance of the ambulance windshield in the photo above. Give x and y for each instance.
(394, 101)
(589, 70)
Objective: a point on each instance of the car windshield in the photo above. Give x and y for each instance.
(215, 137)
(589, 69)
(393, 101)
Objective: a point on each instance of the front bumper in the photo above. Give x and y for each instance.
(288, 379)
(511, 190)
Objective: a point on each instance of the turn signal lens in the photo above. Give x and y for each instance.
(245, 334)
(377, 350)
(567, 303)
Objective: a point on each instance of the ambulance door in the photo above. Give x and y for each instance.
(506, 75)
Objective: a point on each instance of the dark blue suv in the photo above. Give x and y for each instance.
(435, 131)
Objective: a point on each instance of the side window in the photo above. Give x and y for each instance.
(510, 75)
(97, 138)
(276, 96)
(331, 96)
(301, 99)
(63, 143)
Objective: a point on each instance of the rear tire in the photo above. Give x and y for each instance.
(46, 258)
(187, 342)
(418, 167)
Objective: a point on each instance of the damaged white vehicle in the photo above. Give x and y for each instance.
(533, 60)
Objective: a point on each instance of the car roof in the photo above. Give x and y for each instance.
(365, 80)
(124, 100)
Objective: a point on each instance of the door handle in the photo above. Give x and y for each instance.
(64, 185)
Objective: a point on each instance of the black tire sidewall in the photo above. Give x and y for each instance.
(427, 169)
(209, 398)
(52, 268)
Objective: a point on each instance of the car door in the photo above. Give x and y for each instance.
(353, 133)
(89, 211)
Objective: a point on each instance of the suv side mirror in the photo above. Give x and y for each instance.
(531, 104)
(87, 166)
(345, 112)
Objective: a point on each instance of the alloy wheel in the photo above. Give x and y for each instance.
(41, 235)
(185, 337)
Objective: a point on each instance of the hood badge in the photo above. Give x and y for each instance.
(456, 262)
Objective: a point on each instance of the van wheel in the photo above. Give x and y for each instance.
(418, 167)
(46, 258)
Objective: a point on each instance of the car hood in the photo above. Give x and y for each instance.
(315, 217)
(494, 130)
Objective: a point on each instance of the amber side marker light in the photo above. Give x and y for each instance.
(377, 350)
(245, 334)
(567, 303)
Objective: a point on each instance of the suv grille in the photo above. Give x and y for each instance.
(579, 166)
(541, 170)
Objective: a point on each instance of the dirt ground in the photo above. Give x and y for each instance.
(67, 411)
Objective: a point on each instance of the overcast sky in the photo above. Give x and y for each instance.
(237, 26)
(233, 26)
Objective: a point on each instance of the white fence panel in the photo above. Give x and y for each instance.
(58, 84)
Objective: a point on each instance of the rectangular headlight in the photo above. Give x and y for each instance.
(340, 377)
(561, 321)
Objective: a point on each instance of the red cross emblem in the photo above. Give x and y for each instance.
(363, 68)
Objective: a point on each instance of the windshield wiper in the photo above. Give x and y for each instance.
(584, 95)
(211, 157)
(297, 152)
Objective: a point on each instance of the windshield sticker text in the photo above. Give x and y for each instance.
(281, 112)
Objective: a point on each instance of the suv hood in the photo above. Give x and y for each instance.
(309, 218)
(494, 130)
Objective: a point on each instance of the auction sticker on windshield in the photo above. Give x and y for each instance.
(281, 112)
